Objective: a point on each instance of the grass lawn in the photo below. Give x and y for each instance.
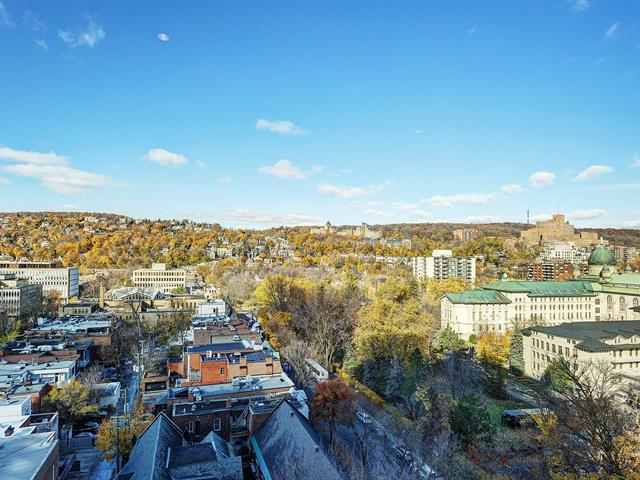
(497, 406)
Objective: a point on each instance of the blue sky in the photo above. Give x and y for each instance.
(268, 113)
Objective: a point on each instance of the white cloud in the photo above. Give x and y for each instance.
(481, 219)
(422, 214)
(511, 188)
(346, 192)
(50, 158)
(632, 224)
(418, 131)
(588, 214)
(88, 37)
(317, 168)
(579, 5)
(635, 163)
(201, 164)
(62, 179)
(281, 127)
(404, 206)
(5, 18)
(165, 157)
(472, 31)
(225, 179)
(248, 216)
(542, 179)
(33, 21)
(593, 172)
(377, 213)
(611, 31)
(42, 44)
(283, 169)
(69, 206)
(4, 181)
(539, 217)
(451, 200)
(163, 37)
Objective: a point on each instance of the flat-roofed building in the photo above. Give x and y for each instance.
(557, 228)
(19, 298)
(64, 280)
(158, 276)
(616, 343)
(441, 265)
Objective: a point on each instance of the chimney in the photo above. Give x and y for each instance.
(9, 431)
(101, 297)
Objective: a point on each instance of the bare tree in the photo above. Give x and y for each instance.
(296, 352)
(594, 429)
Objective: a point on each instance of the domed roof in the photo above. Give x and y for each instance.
(601, 256)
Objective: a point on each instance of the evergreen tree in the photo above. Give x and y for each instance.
(516, 356)
(395, 378)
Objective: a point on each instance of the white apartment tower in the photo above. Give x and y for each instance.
(441, 265)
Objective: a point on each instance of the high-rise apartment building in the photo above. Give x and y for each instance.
(19, 298)
(441, 265)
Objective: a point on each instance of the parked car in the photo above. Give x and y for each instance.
(364, 417)
(92, 425)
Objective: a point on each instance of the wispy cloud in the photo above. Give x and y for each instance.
(347, 192)
(635, 163)
(593, 172)
(612, 31)
(632, 224)
(588, 214)
(511, 188)
(245, 216)
(422, 214)
(579, 5)
(281, 127)
(225, 179)
(405, 206)
(378, 213)
(283, 169)
(163, 37)
(5, 18)
(165, 158)
(418, 131)
(200, 164)
(4, 181)
(481, 219)
(62, 179)
(538, 217)
(42, 44)
(542, 179)
(89, 37)
(472, 31)
(467, 198)
(32, 21)
(39, 158)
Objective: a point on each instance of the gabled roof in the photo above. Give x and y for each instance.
(148, 459)
(287, 447)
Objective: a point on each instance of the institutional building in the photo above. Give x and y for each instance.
(602, 294)
(616, 343)
(159, 277)
(466, 234)
(64, 280)
(19, 298)
(561, 251)
(442, 265)
(557, 229)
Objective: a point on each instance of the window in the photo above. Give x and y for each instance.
(623, 304)
(217, 424)
(190, 427)
(609, 302)
(635, 302)
(222, 371)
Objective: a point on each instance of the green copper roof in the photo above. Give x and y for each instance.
(601, 256)
(478, 296)
(592, 334)
(567, 288)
